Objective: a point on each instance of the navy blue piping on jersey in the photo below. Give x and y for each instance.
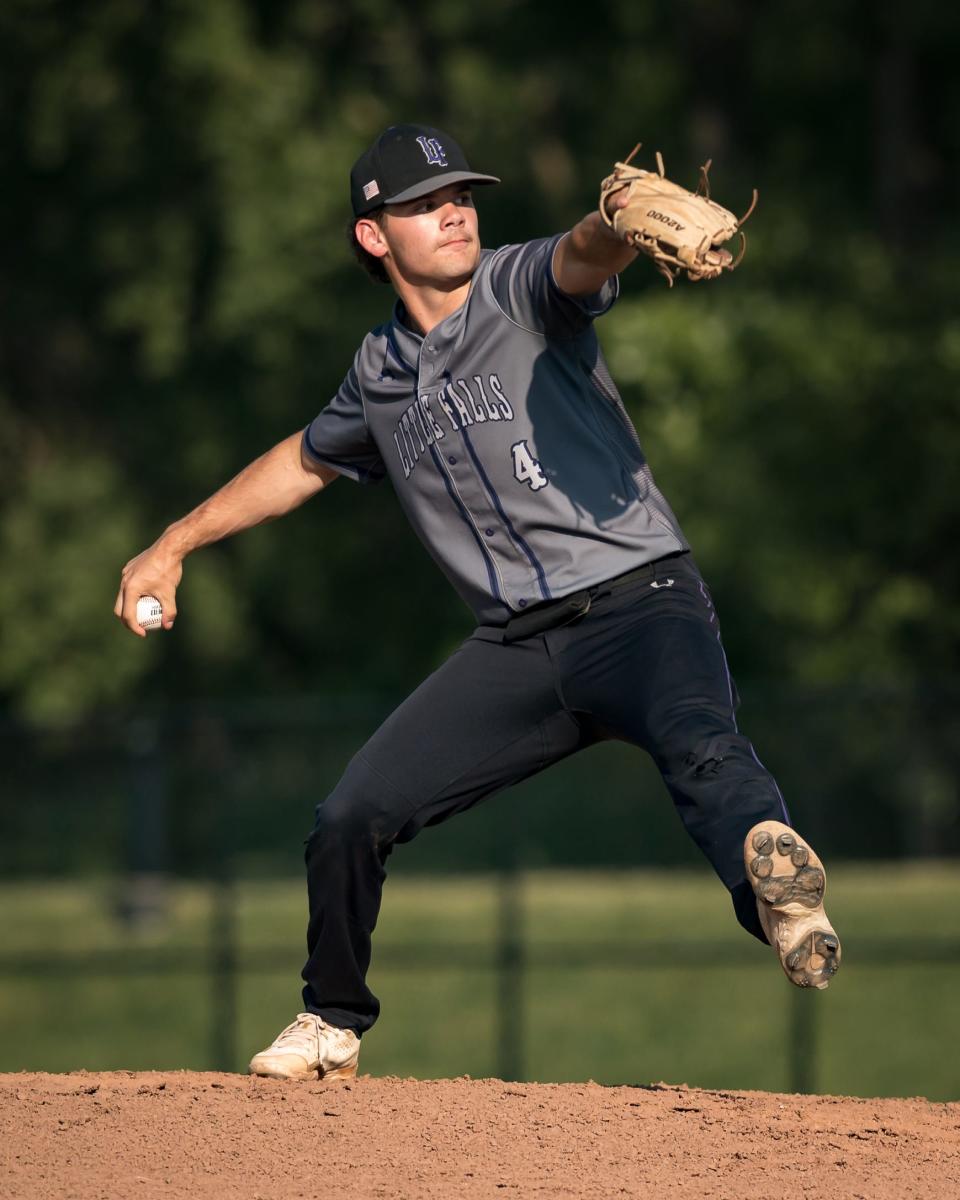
(518, 540)
(395, 350)
(484, 552)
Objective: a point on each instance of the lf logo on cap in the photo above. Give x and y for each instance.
(434, 153)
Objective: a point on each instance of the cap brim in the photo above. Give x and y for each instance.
(438, 181)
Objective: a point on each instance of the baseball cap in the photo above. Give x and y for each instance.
(407, 161)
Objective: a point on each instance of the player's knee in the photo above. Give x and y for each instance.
(338, 822)
(713, 755)
(343, 817)
(358, 810)
(702, 757)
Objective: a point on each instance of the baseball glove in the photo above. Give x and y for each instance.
(679, 230)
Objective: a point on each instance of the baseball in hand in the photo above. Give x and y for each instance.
(149, 612)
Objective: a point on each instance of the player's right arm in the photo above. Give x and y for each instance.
(276, 483)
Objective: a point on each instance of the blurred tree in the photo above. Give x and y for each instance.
(177, 296)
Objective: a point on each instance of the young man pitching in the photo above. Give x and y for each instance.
(486, 400)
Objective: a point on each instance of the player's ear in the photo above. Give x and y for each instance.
(370, 236)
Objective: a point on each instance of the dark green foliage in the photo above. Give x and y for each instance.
(177, 296)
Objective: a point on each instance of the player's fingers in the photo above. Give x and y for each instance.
(123, 593)
(168, 602)
(133, 626)
(617, 199)
(122, 609)
(128, 613)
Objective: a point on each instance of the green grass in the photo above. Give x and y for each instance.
(596, 1001)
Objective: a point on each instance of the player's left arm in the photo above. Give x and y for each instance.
(590, 253)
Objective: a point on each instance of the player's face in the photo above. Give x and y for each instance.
(434, 239)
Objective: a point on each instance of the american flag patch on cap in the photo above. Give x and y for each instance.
(371, 189)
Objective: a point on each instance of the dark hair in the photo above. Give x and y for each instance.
(370, 263)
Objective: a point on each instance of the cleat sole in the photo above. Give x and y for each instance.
(789, 882)
(815, 961)
(349, 1072)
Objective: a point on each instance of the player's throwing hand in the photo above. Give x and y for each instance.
(155, 572)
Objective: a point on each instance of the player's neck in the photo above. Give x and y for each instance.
(426, 305)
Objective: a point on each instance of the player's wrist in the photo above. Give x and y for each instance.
(175, 543)
(603, 247)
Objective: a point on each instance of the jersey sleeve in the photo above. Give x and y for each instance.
(339, 438)
(523, 284)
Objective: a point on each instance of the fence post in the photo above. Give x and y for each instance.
(213, 739)
(803, 1041)
(223, 968)
(142, 902)
(510, 971)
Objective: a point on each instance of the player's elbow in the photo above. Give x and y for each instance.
(319, 473)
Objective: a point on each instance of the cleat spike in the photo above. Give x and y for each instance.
(763, 842)
(762, 866)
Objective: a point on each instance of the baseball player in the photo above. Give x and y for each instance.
(487, 402)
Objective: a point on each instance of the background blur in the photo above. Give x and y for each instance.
(177, 296)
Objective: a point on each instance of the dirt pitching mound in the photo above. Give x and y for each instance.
(182, 1134)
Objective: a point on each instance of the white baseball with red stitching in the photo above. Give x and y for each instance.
(149, 612)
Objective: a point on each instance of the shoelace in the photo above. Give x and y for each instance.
(301, 1033)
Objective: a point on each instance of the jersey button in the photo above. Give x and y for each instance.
(452, 461)
(488, 532)
(521, 603)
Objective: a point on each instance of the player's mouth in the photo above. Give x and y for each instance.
(455, 243)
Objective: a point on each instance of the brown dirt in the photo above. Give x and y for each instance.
(181, 1134)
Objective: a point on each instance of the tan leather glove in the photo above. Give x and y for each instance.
(679, 230)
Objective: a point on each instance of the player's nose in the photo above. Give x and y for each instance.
(451, 214)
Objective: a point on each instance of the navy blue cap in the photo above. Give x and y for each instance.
(407, 161)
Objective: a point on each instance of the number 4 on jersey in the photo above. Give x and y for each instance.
(526, 468)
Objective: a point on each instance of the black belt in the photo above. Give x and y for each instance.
(553, 614)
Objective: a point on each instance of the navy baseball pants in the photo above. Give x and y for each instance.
(644, 665)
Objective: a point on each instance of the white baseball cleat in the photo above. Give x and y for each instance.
(789, 881)
(309, 1048)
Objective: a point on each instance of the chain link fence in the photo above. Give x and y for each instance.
(223, 794)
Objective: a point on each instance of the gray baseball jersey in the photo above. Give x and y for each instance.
(505, 438)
